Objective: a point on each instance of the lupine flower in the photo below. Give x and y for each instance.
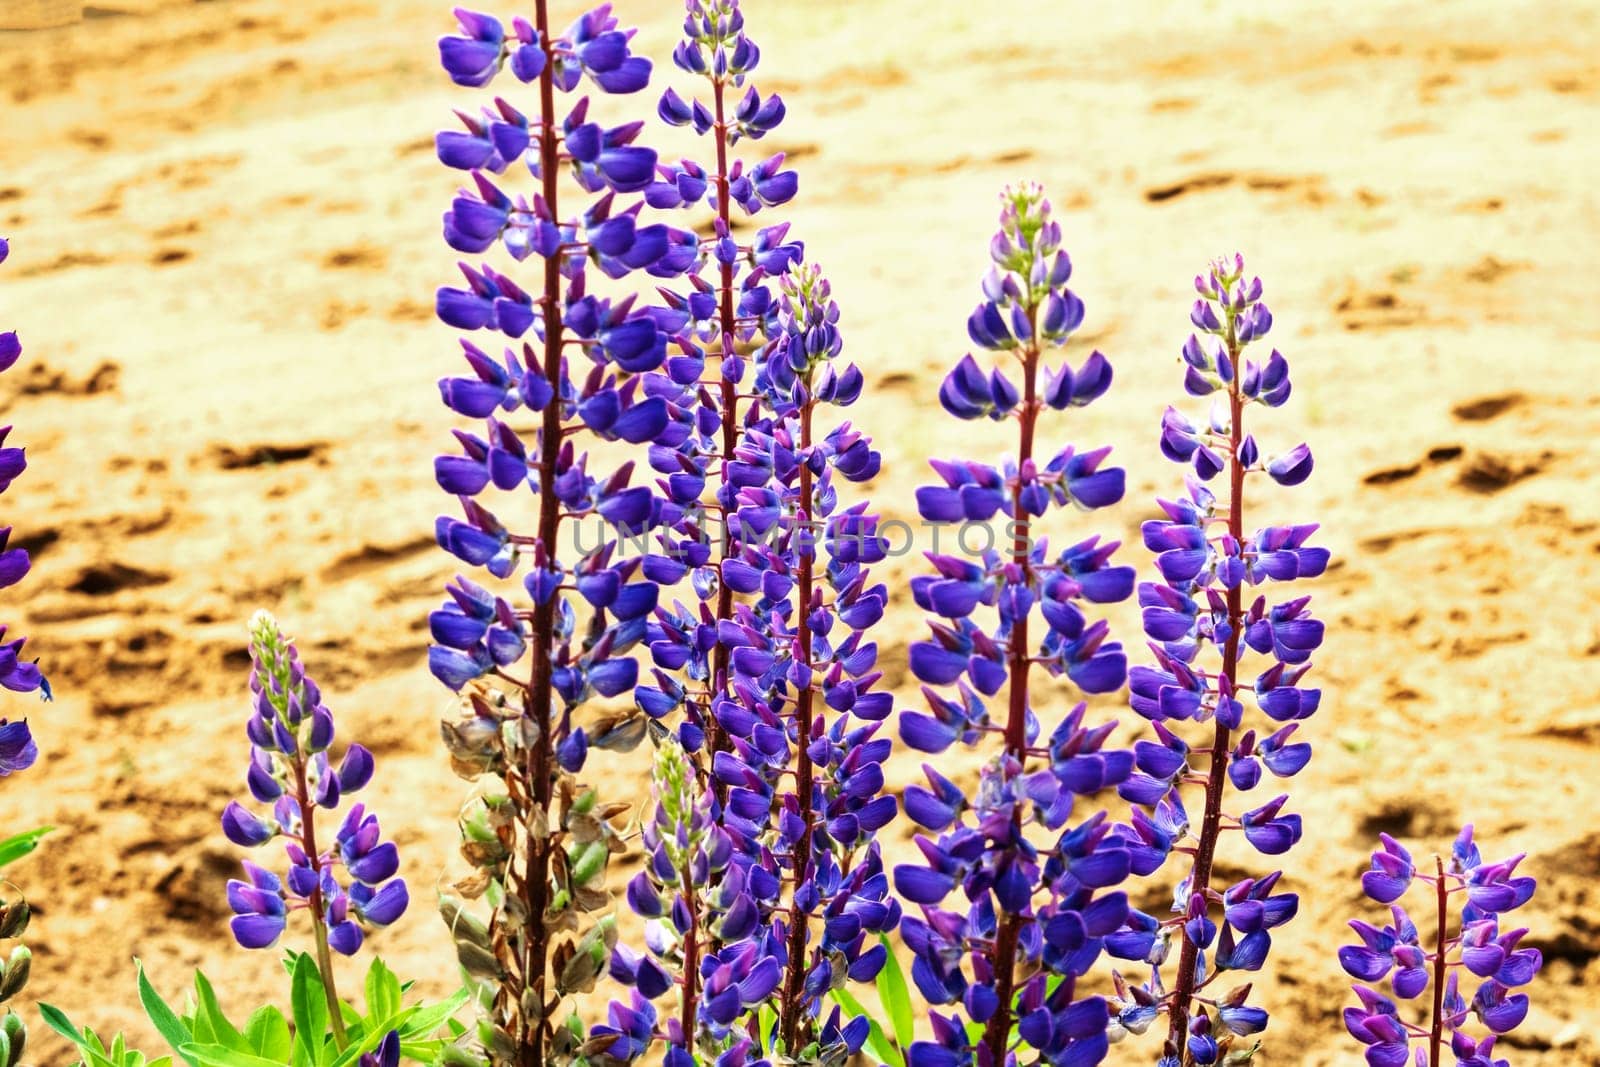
(727, 310)
(1414, 964)
(1038, 895)
(575, 362)
(17, 748)
(749, 658)
(1206, 560)
(291, 733)
(802, 766)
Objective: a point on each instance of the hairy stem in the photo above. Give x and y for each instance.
(792, 1011)
(691, 957)
(730, 437)
(535, 885)
(997, 1034)
(1436, 1038)
(1216, 781)
(319, 927)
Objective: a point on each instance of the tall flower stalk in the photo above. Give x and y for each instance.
(1470, 898)
(730, 314)
(820, 660)
(1034, 918)
(291, 732)
(18, 751)
(539, 839)
(793, 897)
(787, 897)
(1206, 559)
(729, 304)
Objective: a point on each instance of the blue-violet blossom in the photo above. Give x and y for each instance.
(1206, 561)
(291, 733)
(17, 748)
(1482, 946)
(1038, 889)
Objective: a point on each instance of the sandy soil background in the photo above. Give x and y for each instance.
(224, 220)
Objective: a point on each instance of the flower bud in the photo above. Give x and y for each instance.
(14, 974)
(13, 919)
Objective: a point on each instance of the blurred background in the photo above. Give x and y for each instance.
(224, 226)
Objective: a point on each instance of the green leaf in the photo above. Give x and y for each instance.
(267, 1033)
(426, 1018)
(767, 1021)
(161, 1014)
(57, 1020)
(356, 1049)
(221, 1031)
(17, 846)
(877, 1040)
(896, 996)
(310, 1009)
(222, 1056)
(383, 991)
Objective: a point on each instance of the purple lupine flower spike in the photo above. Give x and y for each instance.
(1205, 561)
(573, 364)
(1036, 908)
(802, 769)
(1426, 969)
(769, 664)
(18, 751)
(726, 311)
(291, 733)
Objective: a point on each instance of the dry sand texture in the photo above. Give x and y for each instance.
(224, 219)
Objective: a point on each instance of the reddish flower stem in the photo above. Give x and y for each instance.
(715, 739)
(691, 957)
(535, 882)
(1436, 1038)
(997, 1033)
(792, 1010)
(319, 927)
(1216, 782)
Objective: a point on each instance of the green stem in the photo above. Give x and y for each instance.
(308, 841)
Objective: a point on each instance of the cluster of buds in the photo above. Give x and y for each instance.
(1038, 889)
(14, 968)
(1481, 946)
(1205, 561)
